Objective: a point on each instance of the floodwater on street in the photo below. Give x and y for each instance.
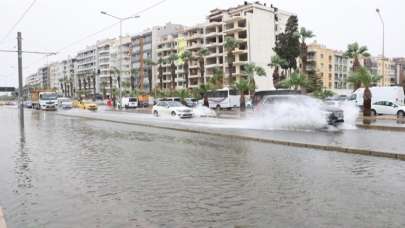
(71, 172)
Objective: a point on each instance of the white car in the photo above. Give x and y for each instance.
(65, 103)
(387, 108)
(172, 108)
(129, 102)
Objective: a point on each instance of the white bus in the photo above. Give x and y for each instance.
(224, 98)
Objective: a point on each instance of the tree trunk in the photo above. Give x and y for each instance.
(161, 77)
(367, 102)
(202, 71)
(356, 67)
(111, 88)
(173, 72)
(206, 103)
(304, 54)
(150, 80)
(230, 66)
(242, 102)
(276, 77)
(186, 73)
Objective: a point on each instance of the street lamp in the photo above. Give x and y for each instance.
(383, 42)
(121, 20)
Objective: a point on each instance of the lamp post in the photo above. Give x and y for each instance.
(121, 20)
(383, 42)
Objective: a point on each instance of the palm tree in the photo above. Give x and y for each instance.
(296, 81)
(277, 62)
(230, 44)
(104, 85)
(160, 69)
(250, 70)
(63, 88)
(134, 72)
(203, 90)
(217, 79)
(304, 34)
(244, 86)
(201, 60)
(355, 51)
(149, 63)
(172, 59)
(183, 94)
(186, 56)
(363, 77)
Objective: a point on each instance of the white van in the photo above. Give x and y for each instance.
(394, 94)
(129, 102)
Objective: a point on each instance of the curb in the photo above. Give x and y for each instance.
(381, 128)
(255, 139)
(2, 220)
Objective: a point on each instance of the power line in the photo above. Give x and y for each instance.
(99, 31)
(18, 21)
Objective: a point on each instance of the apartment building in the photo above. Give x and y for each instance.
(86, 71)
(104, 48)
(254, 25)
(120, 60)
(330, 66)
(384, 67)
(55, 76)
(144, 47)
(68, 68)
(400, 70)
(43, 75)
(33, 81)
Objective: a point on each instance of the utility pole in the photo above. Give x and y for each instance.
(20, 81)
(383, 43)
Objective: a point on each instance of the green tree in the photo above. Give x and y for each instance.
(160, 70)
(355, 51)
(295, 81)
(186, 56)
(183, 94)
(250, 70)
(363, 77)
(304, 35)
(230, 44)
(203, 90)
(217, 79)
(201, 61)
(277, 62)
(244, 87)
(134, 73)
(288, 43)
(172, 59)
(149, 65)
(103, 86)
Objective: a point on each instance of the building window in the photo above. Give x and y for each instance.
(321, 56)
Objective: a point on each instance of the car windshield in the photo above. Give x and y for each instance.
(48, 97)
(174, 104)
(132, 99)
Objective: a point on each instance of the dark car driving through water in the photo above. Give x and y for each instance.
(293, 102)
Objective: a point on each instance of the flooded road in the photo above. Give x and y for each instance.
(72, 172)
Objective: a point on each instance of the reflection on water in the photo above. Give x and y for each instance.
(80, 173)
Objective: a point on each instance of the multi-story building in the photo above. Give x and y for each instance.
(331, 67)
(56, 76)
(33, 81)
(144, 47)
(86, 71)
(383, 67)
(400, 70)
(68, 68)
(43, 74)
(104, 65)
(120, 60)
(254, 25)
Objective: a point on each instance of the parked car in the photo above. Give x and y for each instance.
(334, 115)
(128, 102)
(65, 103)
(85, 105)
(190, 102)
(387, 108)
(172, 108)
(27, 104)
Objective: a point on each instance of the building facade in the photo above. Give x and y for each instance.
(331, 67)
(86, 75)
(254, 25)
(383, 67)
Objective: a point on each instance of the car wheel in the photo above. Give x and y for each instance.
(218, 107)
(173, 113)
(401, 114)
(155, 113)
(373, 112)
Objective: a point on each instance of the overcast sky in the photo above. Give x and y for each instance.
(53, 24)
